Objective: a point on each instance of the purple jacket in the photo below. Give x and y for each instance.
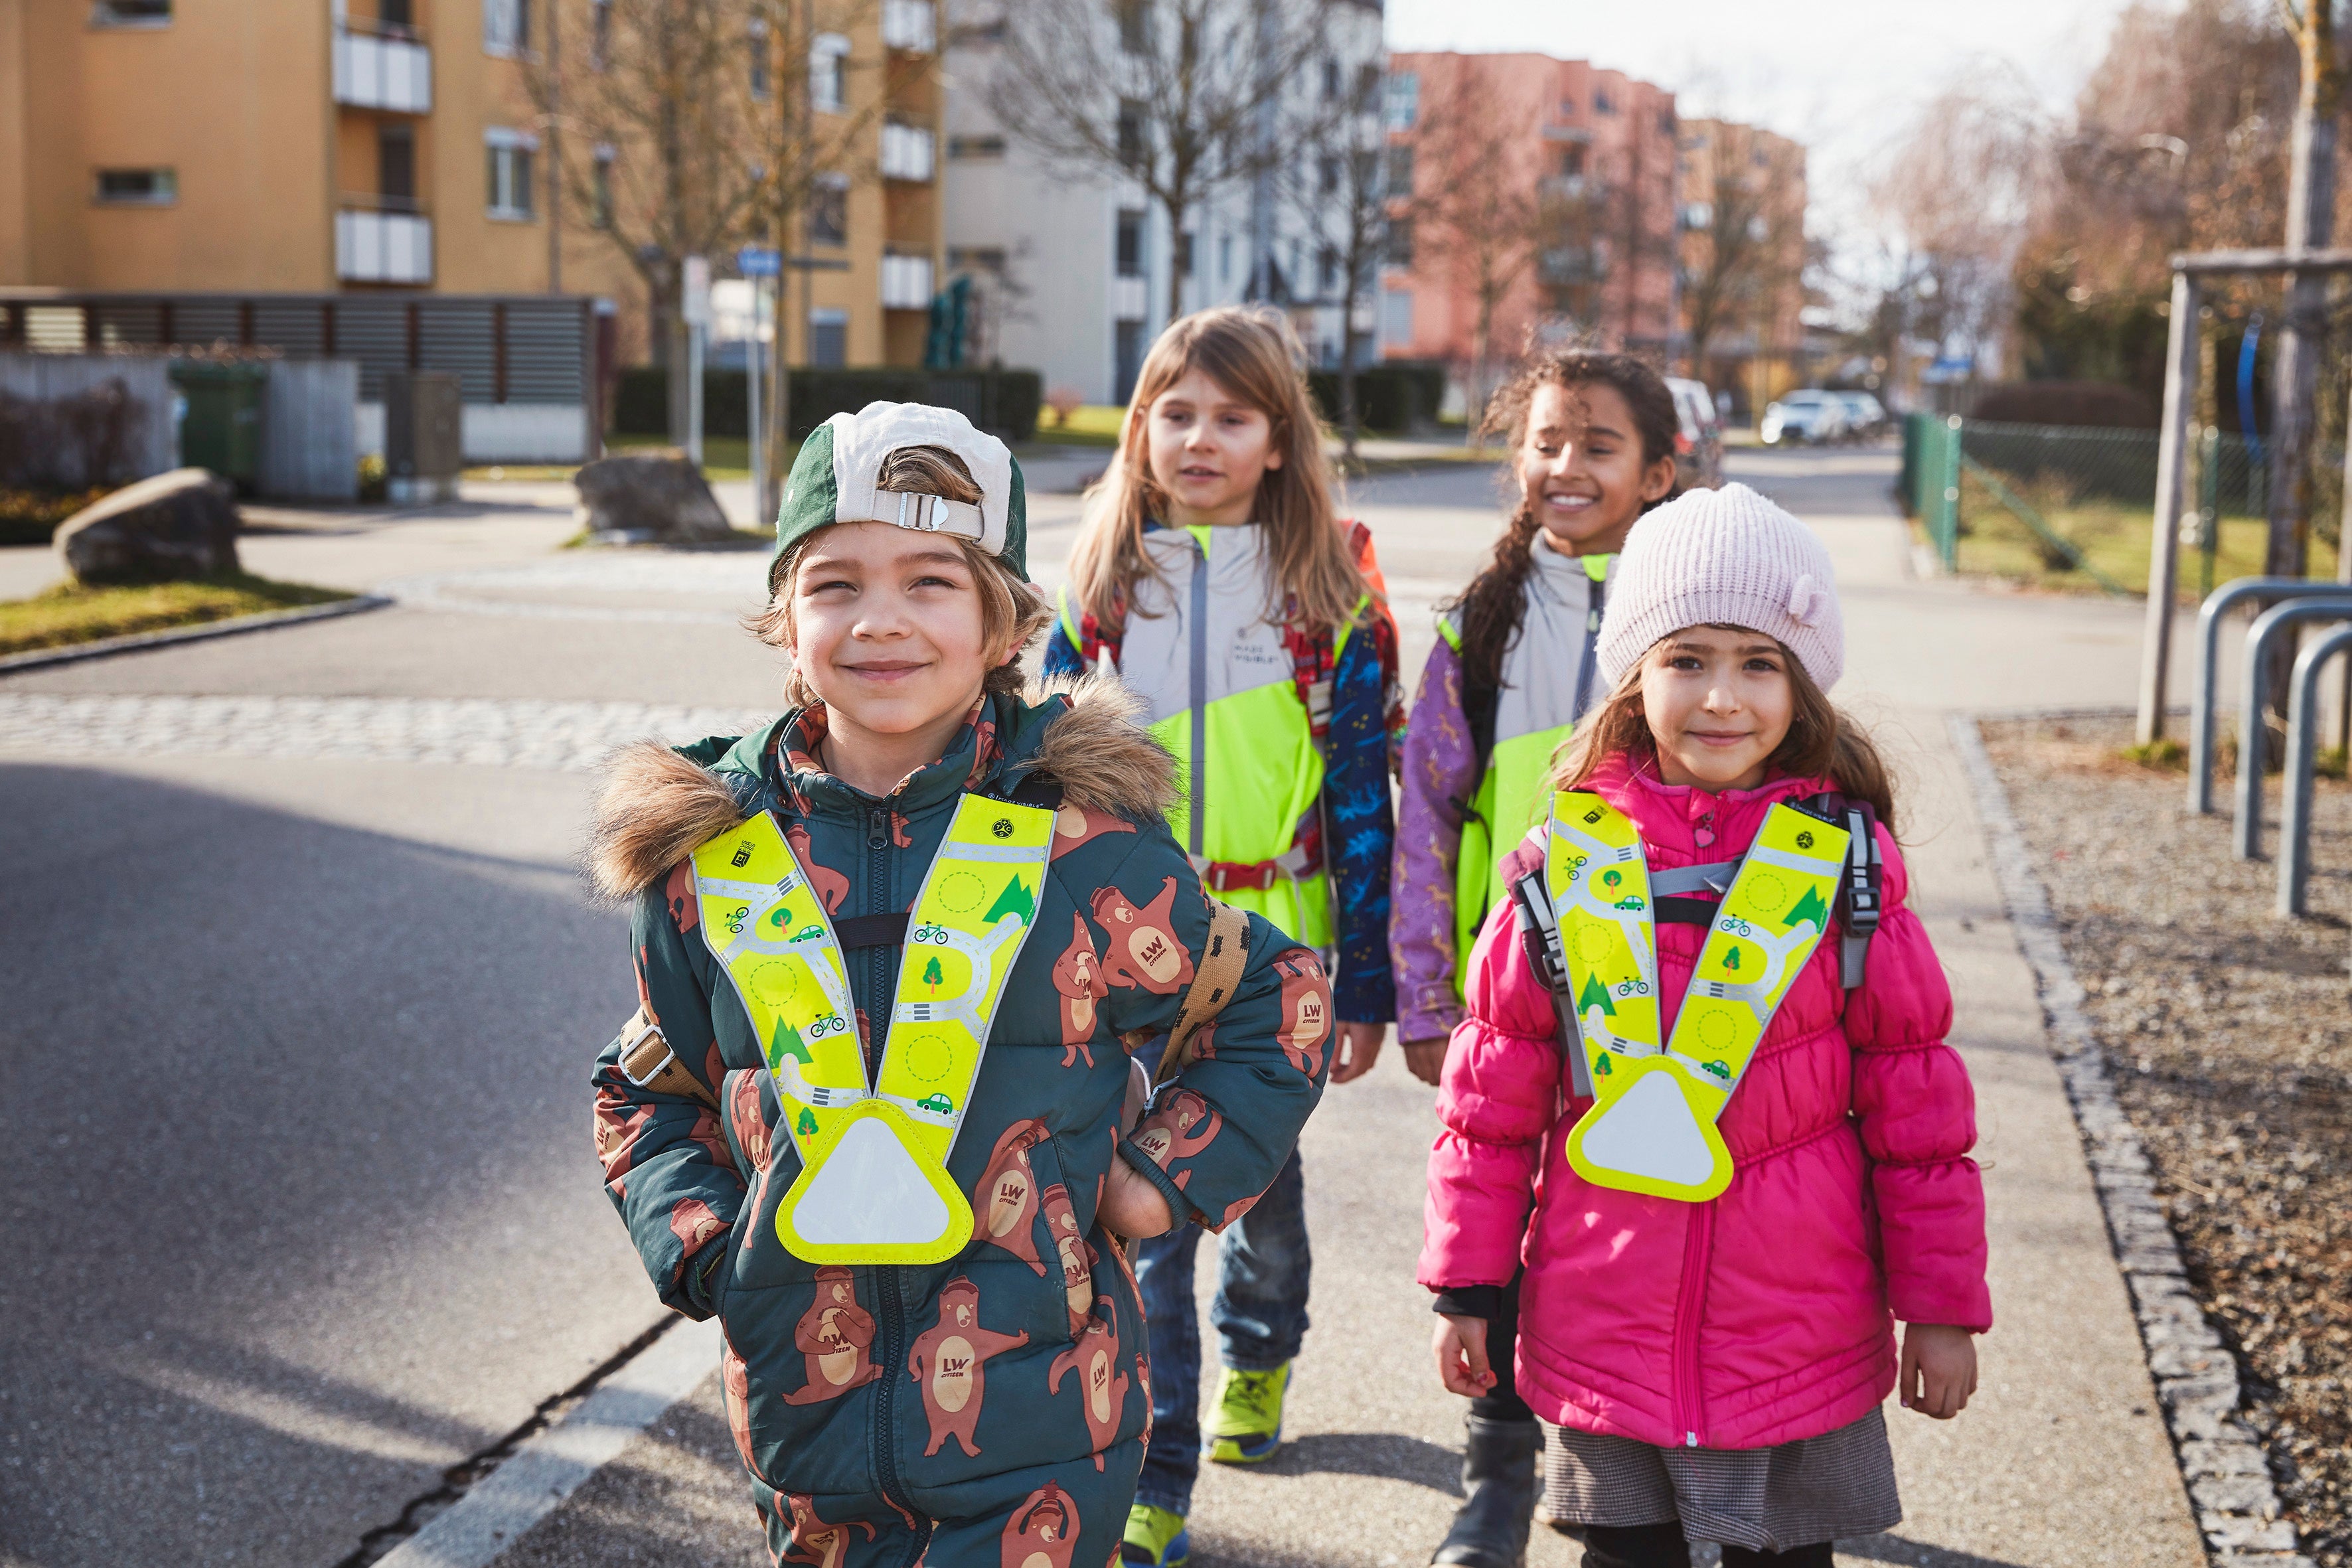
(1439, 768)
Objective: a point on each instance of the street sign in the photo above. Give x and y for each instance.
(696, 304)
(759, 261)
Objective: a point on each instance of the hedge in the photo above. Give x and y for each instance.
(1004, 400)
(1394, 394)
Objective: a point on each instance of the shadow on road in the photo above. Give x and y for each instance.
(295, 1171)
(1387, 1455)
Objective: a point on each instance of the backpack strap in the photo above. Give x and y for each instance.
(1861, 898)
(1540, 940)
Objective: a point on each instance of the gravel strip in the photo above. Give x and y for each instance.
(2208, 1050)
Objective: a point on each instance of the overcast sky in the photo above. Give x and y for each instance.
(1839, 75)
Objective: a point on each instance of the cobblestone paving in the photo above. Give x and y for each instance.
(566, 737)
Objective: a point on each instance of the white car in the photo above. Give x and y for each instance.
(1809, 418)
(1866, 416)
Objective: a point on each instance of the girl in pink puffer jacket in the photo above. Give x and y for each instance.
(1715, 1368)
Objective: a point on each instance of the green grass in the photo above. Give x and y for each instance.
(70, 612)
(723, 457)
(1090, 425)
(2111, 535)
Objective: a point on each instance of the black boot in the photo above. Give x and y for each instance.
(1498, 1471)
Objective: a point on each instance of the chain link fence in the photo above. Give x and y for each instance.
(2069, 506)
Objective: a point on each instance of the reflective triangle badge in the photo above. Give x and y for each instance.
(1649, 1136)
(868, 1194)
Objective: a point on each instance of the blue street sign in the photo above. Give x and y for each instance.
(759, 261)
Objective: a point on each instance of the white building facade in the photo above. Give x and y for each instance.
(1070, 269)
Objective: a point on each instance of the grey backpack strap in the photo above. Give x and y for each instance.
(1540, 940)
(1862, 903)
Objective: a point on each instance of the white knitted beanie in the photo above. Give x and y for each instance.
(1728, 557)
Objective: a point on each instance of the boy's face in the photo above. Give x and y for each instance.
(888, 628)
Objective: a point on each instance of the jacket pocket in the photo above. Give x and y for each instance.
(1069, 1257)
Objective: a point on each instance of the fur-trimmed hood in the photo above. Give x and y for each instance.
(656, 803)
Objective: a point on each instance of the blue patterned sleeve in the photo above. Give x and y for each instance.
(1356, 792)
(1062, 657)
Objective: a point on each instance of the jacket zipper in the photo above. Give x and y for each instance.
(885, 1450)
(1698, 1245)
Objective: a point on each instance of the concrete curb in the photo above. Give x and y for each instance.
(532, 1483)
(2223, 1465)
(104, 648)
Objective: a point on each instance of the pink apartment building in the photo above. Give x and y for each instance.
(1537, 193)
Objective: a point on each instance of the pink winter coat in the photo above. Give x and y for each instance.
(1763, 1316)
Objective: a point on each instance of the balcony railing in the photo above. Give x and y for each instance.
(906, 152)
(383, 70)
(380, 247)
(905, 282)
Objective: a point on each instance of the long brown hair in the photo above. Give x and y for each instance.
(1494, 605)
(1822, 741)
(1255, 357)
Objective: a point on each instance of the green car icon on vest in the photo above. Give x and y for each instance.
(939, 1104)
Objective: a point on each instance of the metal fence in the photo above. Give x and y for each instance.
(2071, 502)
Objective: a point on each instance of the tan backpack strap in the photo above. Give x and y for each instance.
(1215, 976)
(647, 1062)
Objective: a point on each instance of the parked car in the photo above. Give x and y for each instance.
(1806, 419)
(1866, 418)
(1699, 441)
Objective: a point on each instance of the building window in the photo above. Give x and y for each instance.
(828, 347)
(600, 190)
(1127, 359)
(1571, 162)
(1184, 254)
(1396, 315)
(511, 155)
(1400, 242)
(761, 77)
(131, 14)
(1129, 249)
(1403, 100)
(1400, 178)
(395, 168)
(138, 187)
(1224, 259)
(1367, 89)
(828, 210)
(1327, 269)
(1131, 138)
(1602, 103)
(1134, 26)
(1332, 80)
(1326, 174)
(506, 27)
(829, 72)
(1568, 108)
(600, 33)
(975, 146)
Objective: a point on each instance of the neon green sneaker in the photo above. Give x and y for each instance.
(1245, 1427)
(1155, 1537)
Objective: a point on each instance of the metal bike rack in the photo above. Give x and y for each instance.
(2246, 837)
(2218, 603)
(2302, 722)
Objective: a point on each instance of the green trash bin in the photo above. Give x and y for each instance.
(220, 427)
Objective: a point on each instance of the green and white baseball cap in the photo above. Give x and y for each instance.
(835, 479)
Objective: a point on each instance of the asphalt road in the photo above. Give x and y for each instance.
(300, 990)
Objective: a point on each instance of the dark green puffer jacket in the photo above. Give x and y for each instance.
(848, 1388)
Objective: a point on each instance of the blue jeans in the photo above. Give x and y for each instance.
(1260, 1313)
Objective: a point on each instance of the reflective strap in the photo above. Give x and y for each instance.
(1714, 877)
(1594, 606)
(1070, 622)
(1295, 864)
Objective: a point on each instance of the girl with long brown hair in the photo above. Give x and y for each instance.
(1212, 574)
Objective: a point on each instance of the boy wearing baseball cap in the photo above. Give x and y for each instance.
(894, 952)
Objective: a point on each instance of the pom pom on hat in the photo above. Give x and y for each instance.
(1725, 557)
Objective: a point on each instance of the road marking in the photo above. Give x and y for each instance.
(562, 736)
(536, 1480)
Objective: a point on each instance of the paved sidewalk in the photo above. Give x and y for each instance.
(2061, 1462)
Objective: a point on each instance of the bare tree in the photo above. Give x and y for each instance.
(690, 135)
(1746, 244)
(1474, 214)
(1339, 183)
(1180, 97)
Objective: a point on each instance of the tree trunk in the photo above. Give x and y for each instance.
(1173, 203)
(2310, 222)
(1348, 428)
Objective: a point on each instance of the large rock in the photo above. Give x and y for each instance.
(175, 525)
(653, 497)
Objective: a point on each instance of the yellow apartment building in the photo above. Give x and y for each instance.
(1755, 346)
(365, 148)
